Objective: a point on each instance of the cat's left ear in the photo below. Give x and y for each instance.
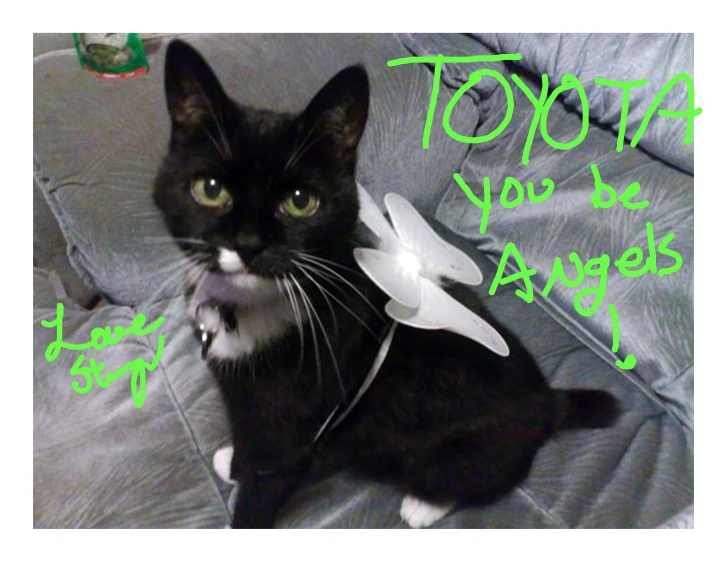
(339, 112)
(194, 94)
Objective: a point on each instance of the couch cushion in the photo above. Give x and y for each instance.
(97, 144)
(48, 42)
(98, 460)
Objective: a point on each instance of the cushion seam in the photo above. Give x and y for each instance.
(188, 428)
(547, 513)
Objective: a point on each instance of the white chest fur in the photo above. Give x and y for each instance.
(256, 327)
(262, 313)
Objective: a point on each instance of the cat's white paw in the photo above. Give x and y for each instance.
(222, 463)
(418, 513)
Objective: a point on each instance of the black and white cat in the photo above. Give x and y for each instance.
(265, 205)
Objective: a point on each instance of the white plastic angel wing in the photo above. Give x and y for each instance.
(372, 217)
(438, 257)
(384, 269)
(439, 311)
(408, 255)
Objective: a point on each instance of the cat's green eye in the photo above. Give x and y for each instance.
(210, 193)
(300, 204)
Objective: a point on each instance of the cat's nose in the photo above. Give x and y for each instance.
(247, 239)
(248, 246)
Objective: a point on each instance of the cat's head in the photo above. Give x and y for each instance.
(246, 191)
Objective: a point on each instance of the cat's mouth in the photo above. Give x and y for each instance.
(241, 288)
(239, 274)
(244, 280)
(232, 280)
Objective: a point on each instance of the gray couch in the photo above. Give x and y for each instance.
(99, 461)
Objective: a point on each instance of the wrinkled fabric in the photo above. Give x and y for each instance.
(97, 144)
(48, 290)
(50, 249)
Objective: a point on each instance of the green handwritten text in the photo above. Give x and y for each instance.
(543, 104)
(100, 338)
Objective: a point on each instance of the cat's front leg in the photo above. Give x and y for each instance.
(260, 498)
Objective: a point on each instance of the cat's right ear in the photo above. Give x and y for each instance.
(194, 94)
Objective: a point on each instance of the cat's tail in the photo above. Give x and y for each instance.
(585, 409)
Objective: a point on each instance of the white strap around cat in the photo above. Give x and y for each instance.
(407, 265)
(370, 376)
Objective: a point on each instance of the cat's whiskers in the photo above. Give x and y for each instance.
(318, 259)
(178, 273)
(302, 148)
(297, 149)
(299, 318)
(332, 281)
(309, 314)
(323, 292)
(220, 128)
(296, 312)
(143, 214)
(172, 269)
(182, 267)
(213, 141)
(198, 283)
(182, 261)
(306, 297)
(167, 239)
(324, 277)
(302, 152)
(346, 281)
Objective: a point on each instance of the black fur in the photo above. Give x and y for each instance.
(445, 419)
